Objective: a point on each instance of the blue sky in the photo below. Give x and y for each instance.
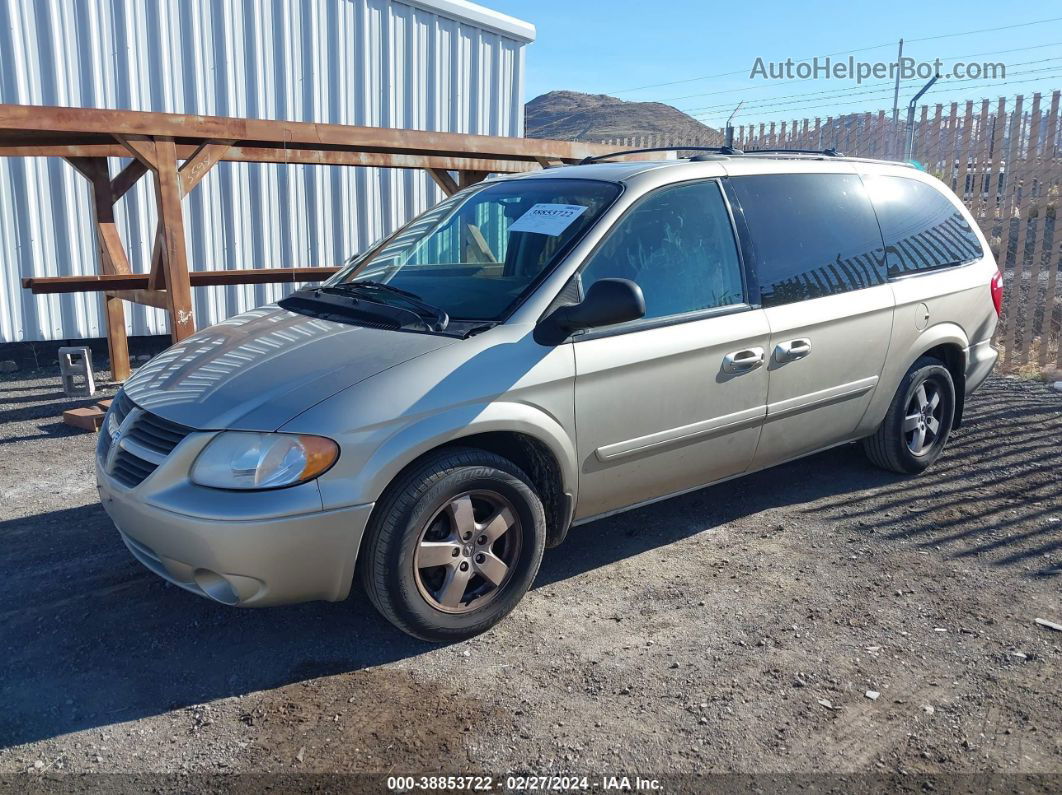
(627, 48)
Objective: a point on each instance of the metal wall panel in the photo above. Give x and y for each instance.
(426, 64)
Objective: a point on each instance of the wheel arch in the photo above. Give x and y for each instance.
(528, 437)
(948, 344)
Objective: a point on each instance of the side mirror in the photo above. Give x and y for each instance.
(607, 302)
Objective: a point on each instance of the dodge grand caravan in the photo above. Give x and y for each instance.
(542, 350)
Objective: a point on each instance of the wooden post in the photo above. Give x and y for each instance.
(174, 259)
(112, 255)
(471, 177)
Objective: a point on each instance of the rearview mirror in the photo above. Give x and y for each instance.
(607, 302)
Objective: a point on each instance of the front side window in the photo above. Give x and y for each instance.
(923, 229)
(475, 254)
(678, 246)
(813, 234)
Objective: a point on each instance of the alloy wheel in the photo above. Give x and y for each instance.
(467, 551)
(923, 417)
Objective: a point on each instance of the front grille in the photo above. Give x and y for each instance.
(157, 434)
(145, 441)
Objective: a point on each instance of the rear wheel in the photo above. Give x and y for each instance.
(453, 545)
(916, 427)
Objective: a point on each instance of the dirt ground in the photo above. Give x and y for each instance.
(742, 628)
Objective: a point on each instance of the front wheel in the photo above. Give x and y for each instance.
(453, 545)
(916, 427)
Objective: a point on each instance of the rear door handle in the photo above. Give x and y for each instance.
(792, 350)
(742, 361)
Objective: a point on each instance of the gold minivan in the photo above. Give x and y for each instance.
(542, 350)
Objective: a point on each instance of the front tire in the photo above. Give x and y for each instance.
(453, 545)
(916, 427)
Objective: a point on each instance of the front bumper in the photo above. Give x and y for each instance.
(250, 549)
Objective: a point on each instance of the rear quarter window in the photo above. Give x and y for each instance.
(922, 228)
(813, 235)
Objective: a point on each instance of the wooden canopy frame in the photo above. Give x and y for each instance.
(179, 150)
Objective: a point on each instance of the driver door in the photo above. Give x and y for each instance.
(677, 399)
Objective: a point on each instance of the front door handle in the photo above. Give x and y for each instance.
(792, 350)
(742, 361)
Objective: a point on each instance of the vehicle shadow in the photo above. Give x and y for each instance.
(92, 639)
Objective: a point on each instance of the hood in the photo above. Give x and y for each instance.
(260, 369)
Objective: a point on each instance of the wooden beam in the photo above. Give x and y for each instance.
(200, 162)
(174, 255)
(127, 178)
(50, 285)
(444, 180)
(155, 298)
(87, 124)
(326, 156)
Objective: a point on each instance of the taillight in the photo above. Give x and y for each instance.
(997, 292)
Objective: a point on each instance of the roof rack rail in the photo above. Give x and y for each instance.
(829, 152)
(721, 150)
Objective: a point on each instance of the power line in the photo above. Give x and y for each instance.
(844, 52)
(761, 86)
(761, 102)
(878, 92)
(704, 117)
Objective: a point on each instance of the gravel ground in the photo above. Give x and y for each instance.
(741, 628)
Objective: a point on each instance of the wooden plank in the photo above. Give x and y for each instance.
(89, 418)
(979, 197)
(174, 255)
(1017, 318)
(1046, 172)
(49, 285)
(994, 170)
(1011, 170)
(963, 153)
(920, 141)
(1054, 260)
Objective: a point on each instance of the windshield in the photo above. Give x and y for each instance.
(476, 253)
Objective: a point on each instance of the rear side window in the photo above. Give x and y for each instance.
(923, 229)
(813, 235)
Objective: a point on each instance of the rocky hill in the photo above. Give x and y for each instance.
(569, 115)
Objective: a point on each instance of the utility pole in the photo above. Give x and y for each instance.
(909, 149)
(896, 95)
(729, 132)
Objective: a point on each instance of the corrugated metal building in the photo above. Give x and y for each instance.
(444, 65)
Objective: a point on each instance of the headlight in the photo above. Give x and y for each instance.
(242, 460)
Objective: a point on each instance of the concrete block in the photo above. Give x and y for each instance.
(75, 364)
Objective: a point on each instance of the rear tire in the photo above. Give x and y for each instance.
(916, 427)
(453, 545)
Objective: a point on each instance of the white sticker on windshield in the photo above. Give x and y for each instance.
(547, 219)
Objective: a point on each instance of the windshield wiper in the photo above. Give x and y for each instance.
(334, 304)
(438, 316)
